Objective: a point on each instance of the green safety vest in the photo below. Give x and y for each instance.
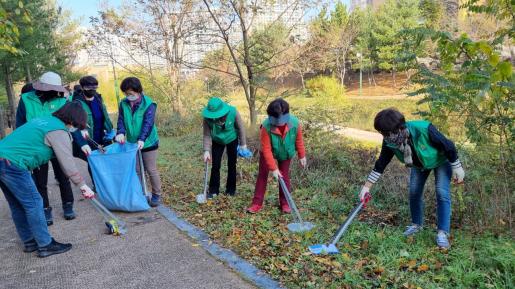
(283, 149)
(224, 134)
(428, 155)
(108, 126)
(25, 147)
(34, 108)
(134, 122)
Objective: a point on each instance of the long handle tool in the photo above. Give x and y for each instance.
(202, 198)
(115, 226)
(300, 225)
(331, 247)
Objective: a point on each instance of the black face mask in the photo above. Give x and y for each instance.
(90, 93)
(47, 95)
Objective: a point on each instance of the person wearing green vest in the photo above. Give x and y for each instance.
(281, 139)
(223, 128)
(136, 116)
(46, 97)
(100, 129)
(422, 148)
(26, 148)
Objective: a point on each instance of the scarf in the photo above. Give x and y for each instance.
(400, 140)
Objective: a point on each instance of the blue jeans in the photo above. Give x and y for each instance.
(25, 202)
(418, 179)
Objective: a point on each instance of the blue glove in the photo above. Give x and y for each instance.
(109, 136)
(244, 152)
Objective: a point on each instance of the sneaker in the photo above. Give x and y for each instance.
(285, 208)
(155, 200)
(30, 246)
(442, 240)
(412, 229)
(53, 248)
(48, 216)
(254, 208)
(68, 212)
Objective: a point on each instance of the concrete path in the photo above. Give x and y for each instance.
(154, 254)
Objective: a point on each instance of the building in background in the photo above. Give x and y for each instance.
(363, 4)
(197, 45)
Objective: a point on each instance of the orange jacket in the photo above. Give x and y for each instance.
(266, 145)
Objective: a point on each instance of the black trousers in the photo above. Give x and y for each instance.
(40, 177)
(232, 156)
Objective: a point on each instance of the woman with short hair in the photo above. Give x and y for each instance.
(26, 148)
(422, 148)
(281, 139)
(136, 116)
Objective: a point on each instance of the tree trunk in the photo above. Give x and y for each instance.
(393, 77)
(11, 114)
(302, 80)
(2, 123)
(28, 75)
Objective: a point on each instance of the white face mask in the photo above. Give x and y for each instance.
(132, 97)
(72, 129)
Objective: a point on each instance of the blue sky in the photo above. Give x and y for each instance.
(84, 9)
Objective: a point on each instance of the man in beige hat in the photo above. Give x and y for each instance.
(47, 97)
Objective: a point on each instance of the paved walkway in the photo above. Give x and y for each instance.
(154, 254)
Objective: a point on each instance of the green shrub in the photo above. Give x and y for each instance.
(325, 87)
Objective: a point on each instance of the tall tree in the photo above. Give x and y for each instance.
(147, 33)
(235, 22)
(393, 17)
(45, 45)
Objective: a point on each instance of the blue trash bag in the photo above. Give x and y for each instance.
(117, 185)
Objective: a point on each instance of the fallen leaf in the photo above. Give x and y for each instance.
(422, 268)
(379, 270)
(412, 263)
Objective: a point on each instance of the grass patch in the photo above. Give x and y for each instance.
(373, 252)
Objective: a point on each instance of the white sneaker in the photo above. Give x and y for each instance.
(412, 229)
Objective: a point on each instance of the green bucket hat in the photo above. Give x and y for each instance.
(215, 108)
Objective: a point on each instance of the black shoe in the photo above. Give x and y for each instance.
(68, 212)
(48, 216)
(53, 248)
(30, 246)
(211, 196)
(232, 193)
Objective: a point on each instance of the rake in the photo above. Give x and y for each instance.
(202, 198)
(300, 226)
(330, 248)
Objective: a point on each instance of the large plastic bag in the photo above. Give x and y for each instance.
(117, 185)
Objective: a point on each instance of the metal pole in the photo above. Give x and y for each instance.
(290, 199)
(345, 225)
(360, 74)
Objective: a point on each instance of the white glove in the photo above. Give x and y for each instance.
(207, 156)
(84, 133)
(87, 192)
(363, 193)
(86, 149)
(141, 144)
(120, 138)
(303, 162)
(276, 173)
(458, 174)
